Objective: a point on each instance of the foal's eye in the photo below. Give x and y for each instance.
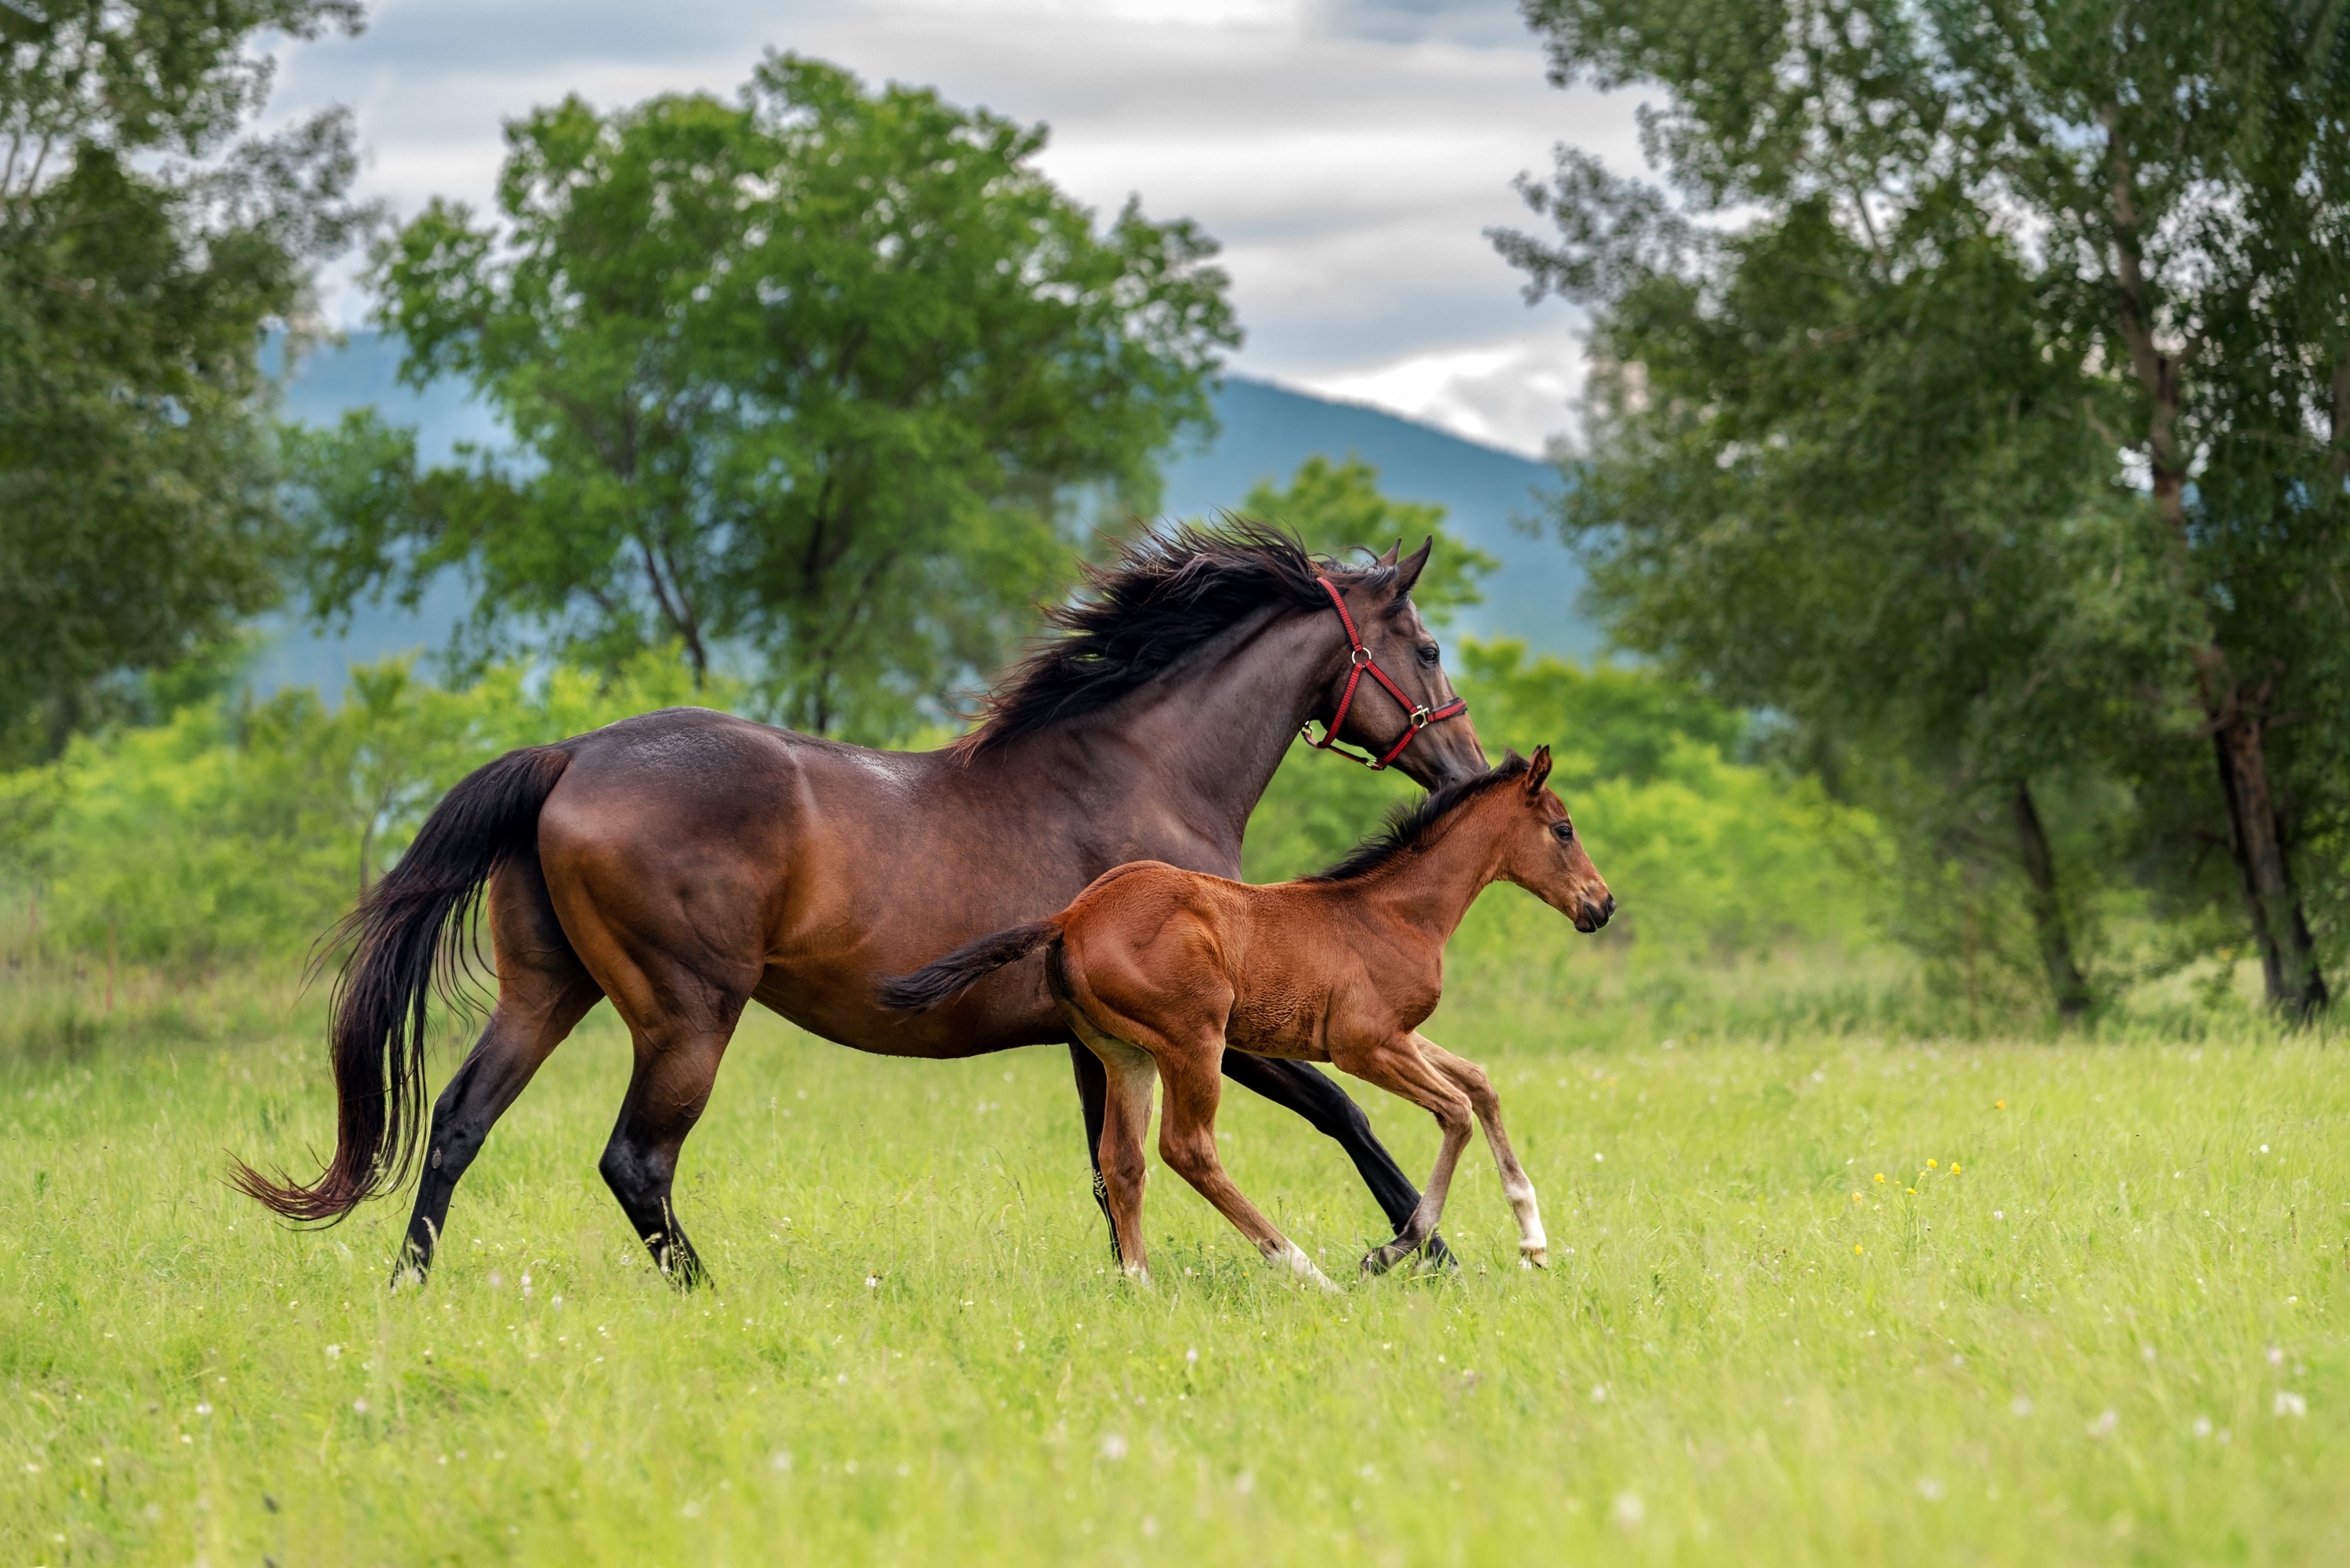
(1429, 654)
(1563, 831)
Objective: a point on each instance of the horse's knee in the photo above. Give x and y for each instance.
(1189, 1155)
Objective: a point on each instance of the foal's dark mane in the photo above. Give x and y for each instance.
(1410, 825)
(1165, 595)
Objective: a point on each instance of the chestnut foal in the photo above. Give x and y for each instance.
(1158, 971)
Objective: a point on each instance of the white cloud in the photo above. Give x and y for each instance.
(1349, 153)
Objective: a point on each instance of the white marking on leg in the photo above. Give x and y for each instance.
(1534, 1247)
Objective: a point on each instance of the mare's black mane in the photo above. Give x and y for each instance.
(1411, 825)
(1165, 595)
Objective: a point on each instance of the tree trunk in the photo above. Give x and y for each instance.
(2066, 984)
(2289, 967)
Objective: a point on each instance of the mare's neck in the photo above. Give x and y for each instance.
(1199, 742)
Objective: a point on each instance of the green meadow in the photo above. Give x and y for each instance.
(1821, 1293)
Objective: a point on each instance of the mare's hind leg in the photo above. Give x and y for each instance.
(542, 994)
(671, 1085)
(1534, 1247)
(1399, 1066)
(1304, 1088)
(1093, 1103)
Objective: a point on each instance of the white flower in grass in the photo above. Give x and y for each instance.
(2291, 1405)
(2106, 1423)
(1113, 1448)
(1628, 1510)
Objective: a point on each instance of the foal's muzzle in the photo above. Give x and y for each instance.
(1595, 913)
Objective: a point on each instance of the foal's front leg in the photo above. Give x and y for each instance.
(1533, 1248)
(1399, 1067)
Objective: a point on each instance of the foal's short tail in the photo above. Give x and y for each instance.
(403, 925)
(965, 967)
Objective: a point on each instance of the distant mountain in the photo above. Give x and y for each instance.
(1267, 433)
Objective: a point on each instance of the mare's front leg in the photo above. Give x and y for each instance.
(1398, 1065)
(1533, 1248)
(1304, 1088)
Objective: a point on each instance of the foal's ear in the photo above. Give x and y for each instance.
(1538, 774)
(1408, 571)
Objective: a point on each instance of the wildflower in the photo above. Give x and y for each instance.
(2106, 1425)
(2020, 1407)
(1856, 1197)
(334, 1353)
(1599, 1393)
(2292, 1405)
(1929, 1165)
(1913, 1192)
(1629, 1510)
(1856, 1246)
(2000, 1105)
(1113, 1448)
(1880, 1176)
(359, 1406)
(1956, 1167)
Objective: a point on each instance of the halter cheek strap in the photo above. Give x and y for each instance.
(1418, 716)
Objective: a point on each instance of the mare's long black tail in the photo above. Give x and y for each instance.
(965, 967)
(403, 925)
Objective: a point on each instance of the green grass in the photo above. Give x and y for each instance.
(2076, 1349)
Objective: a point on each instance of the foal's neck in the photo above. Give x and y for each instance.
(1429, 890)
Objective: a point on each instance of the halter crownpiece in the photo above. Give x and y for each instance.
(1418, 715)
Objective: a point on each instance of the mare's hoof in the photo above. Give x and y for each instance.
(1439, 1255)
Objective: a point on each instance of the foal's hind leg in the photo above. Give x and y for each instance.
(1119, 1168)
(1187, 1142)
(543, 993)
(1533, 1248)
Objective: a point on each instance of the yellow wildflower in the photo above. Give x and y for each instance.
(1956, 1167)
(1880, 1176)
(1856, 1197)
(1929, 1165)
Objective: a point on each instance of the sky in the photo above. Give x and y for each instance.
(1349, 154)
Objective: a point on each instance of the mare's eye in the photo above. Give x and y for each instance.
(1563, 831)
(1430, 654)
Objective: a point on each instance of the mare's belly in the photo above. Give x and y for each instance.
(833, 1003)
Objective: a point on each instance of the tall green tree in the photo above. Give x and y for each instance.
(2131, 153)
(824, 383)
(147, 243)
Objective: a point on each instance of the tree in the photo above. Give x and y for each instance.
(822, 382)
(144, 252)
(2132, 155)
(1334, 507)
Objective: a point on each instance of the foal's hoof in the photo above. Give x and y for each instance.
(1534, 1257)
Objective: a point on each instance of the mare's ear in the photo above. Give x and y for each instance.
(1389, 558)
(1408, 571)
(1538, 774)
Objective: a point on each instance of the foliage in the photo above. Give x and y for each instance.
(238, 832)
(2021, 238)
(1334, 507)
(143, 251)
(820, 384)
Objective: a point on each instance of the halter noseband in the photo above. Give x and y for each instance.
(1419, 716)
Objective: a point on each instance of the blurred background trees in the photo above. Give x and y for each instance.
(1961, 472)
(1967, 395)
(147, 240)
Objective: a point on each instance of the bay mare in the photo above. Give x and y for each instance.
(1162, 972)
(685, 863)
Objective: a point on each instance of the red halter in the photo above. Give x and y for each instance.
(1421, 718)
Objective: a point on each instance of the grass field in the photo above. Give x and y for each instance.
(2091, 1313)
